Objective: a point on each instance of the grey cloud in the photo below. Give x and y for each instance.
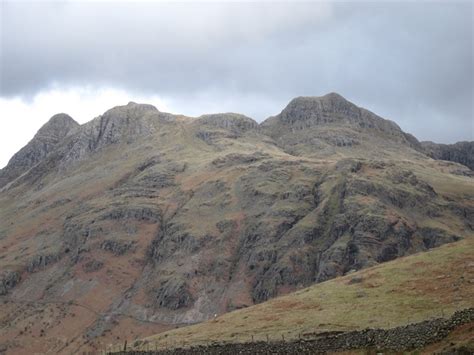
(410, 62)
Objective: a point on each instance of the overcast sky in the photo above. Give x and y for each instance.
(411, 62)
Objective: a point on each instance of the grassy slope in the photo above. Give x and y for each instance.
(410, 289)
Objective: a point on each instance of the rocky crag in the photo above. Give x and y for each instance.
(461, 152)
(142, 218)
(43, 143)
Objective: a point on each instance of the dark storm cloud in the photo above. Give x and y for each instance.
(410, 62)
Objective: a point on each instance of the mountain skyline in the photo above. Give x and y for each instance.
(409, 62)
(83, 122)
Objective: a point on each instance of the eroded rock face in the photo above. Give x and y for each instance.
(40, 261)
(119, 124)
(332, 109)
(8, 280)
(44, 142)
(117, 247)
(461, 152)
(172, 294)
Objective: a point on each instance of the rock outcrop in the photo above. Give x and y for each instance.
(305, 113)
(461, 152)
(43, 143)
(119, 124)
(8, 280)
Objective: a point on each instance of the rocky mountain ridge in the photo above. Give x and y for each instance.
(150, 218)
(125, 123)
(44, 142)
(320, 113)
(460, 152)
(306, 112)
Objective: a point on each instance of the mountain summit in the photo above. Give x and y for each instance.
(44, 142)
(332, 109)
(140, 221)
(332, 120)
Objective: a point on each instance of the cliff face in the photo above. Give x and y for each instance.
(44, 142)
(331, 109)
(119, 124)
(315, 125)
(144, 218)
(461, 152)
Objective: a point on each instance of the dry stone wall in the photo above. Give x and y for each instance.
(409, 337)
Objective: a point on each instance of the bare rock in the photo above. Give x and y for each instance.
(329, 110)
(117, 247)
(8, 280)
(39, 262)
(43, 143)
(461, 152)
(172, 294)
(92, 265)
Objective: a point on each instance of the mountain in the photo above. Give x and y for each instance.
(140, 221)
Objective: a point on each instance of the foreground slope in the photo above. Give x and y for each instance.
(411, 289)
(140, 221)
